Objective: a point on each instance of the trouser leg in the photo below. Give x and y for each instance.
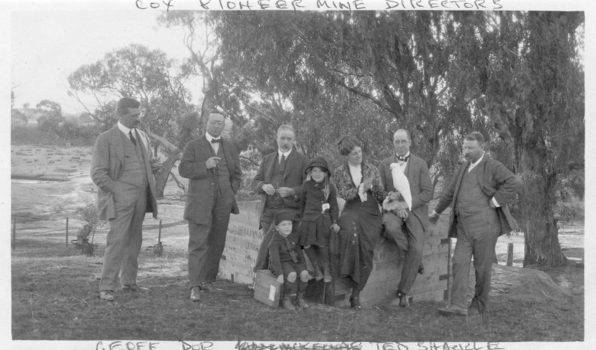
(461, 268)
(415, 235)
(130, 265)
(484, 252)
(118, 236)
(197, 252)
(217, 236)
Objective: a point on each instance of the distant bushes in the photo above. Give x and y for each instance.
(66, 128)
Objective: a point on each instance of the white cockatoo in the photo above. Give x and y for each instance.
(401, 184)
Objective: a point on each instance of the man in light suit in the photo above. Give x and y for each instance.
(479, 195)
(213, 167)
(279, 182)
(121, 168)
(408, 228)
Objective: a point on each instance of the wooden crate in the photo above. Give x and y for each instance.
(244, 239)
(268, 289)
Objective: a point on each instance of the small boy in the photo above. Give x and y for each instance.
(287, 260)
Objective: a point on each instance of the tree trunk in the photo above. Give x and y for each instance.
(538, 203)
(161, 178)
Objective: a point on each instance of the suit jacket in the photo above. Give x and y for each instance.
(199, 198)
(294, 176)
(421, 186)
(106, 167)
(495, 181)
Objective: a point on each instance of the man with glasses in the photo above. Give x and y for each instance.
(212, 165)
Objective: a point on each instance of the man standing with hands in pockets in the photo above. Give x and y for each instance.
(121, 168)
(212, 165)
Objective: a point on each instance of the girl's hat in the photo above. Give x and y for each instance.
(318, 162)
(284, 215)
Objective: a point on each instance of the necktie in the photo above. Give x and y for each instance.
(403, 159)
(215, 140)
(282, 162)
(132, 138)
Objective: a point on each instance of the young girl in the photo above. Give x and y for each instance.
(287, 261)
(318, 213)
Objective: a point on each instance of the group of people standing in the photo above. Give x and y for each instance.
(299, 211)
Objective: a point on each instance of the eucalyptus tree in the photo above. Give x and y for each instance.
(533, 95)
(517, 77)
(148, 75)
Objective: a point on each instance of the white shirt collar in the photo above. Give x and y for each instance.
(123, 128)
(280, 153)
(209, 137)
(472, 165)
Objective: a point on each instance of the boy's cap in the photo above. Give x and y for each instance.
(284, 215)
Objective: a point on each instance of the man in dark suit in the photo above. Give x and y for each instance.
(213, 167)
(121, 168)
(479, 195)
(407, 227)
(279, 182)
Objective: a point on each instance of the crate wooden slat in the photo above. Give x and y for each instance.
(267, 288)
(244, 239)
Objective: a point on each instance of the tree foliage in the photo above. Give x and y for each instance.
(149, 76)
(517, 77)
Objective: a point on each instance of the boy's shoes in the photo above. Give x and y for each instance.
(287, 304)
(301, 303)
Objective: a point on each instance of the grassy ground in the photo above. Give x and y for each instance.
(54, 297)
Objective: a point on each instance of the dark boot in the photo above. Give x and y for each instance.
(300, 298)
(287, 293)
(355, 299)
(287, 303)
(403, 299)
(300, 303)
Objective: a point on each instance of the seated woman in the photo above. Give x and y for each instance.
(359, 184)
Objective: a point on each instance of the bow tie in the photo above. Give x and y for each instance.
(215, 140)
(402, 159)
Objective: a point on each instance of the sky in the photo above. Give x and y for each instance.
(47, 46)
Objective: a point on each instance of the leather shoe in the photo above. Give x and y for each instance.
(355, 304)
(106, 295)
(134, 288)
(452, 310)
(403, 299)
(195, 294)
(208, 287)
